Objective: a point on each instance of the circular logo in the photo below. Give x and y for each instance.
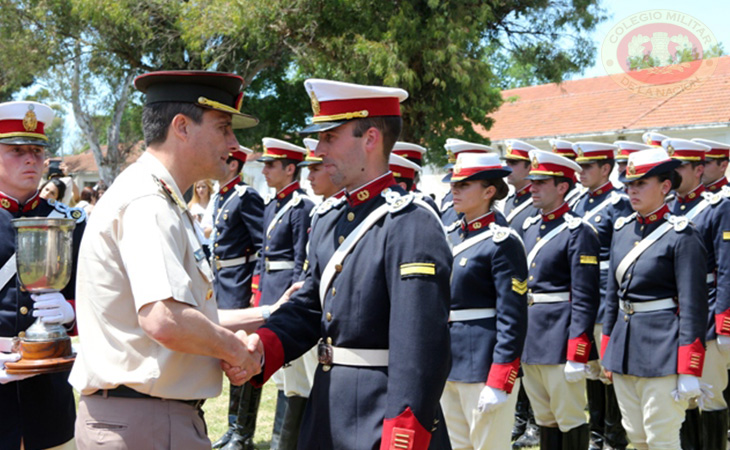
(659, 53)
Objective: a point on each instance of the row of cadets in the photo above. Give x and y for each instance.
(38, 411)
(710, 213)
(281, 263)
(319, 180)
(379, 306)
(413, 153)
(237, 233)
(518, 205)
(655, 321)
(563, 297)
(716, 163)
(624, 149)
(405, 173)
(565, 148)
(601, 205)
(453, 147)
(488, 318)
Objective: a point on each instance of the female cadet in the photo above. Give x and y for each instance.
(656, 307)
(488, 317)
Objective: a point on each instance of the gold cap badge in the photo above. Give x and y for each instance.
(315, 104)
(631, 169)
(30, 121)
(535, 163)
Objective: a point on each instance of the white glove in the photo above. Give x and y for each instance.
(52, 308)
(593, 371)
(491, 399)
(574, 371)
(688, 387)
(723, 343)
(6, 356)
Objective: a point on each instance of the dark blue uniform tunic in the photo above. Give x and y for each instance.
(514, 211)
(391, 292)
(40, 410)
(237, 224)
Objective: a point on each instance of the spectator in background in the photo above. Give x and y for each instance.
(54, 189)
(201, 197)
(87, 197)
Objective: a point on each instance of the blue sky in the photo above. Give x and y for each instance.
(714, 14)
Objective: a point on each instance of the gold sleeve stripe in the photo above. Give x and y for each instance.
(586, 259)
(417, 269)
(726, 235)
(519, 286)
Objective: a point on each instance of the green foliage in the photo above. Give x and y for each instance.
(681, 56)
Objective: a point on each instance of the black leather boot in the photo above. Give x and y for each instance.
(551, 438)
(714, 429)
(522, 414)
(245, 426)
(577, 438)
(234, 398)
(690, 435)
(278, 419)
(596, 394)
(614, 435)
(292, 423)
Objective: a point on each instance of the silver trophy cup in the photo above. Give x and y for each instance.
(44, 256)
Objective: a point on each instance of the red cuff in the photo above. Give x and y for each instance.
(579, 349)
(73, 331)
(722, 322)
(255, 280)
(691, 358)
(273, 356)
(503, 376)
(404, 433)
(604, 343)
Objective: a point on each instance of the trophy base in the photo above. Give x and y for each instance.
(42, 357)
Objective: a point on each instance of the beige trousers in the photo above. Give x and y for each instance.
(137, 423)
(68, 445)
(555, 402)
(299, 375)
(650, 415)
(714, 374)
(471, 430)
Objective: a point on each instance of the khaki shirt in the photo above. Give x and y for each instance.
(137, 251)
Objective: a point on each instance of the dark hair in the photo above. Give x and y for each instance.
(286, 161)
(86, 194)
(500, 185)
(672, 176)
(609, 162)
(407, 181)
(239, 165)
(157, 117)
(389, 126)
(60, 187)
(558, 180)
(696, 163)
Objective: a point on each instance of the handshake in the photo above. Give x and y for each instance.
(246, 361)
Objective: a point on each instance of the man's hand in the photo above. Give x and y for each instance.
(287, 295)
(491, 399)
(246, 364)
(574, 371)
(52, 308)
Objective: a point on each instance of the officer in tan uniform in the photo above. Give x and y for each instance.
(147, 317)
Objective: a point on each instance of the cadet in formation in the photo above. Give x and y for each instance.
(488, 318)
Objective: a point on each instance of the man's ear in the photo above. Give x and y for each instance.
(373, 139)
(290, 169)
(179, 127)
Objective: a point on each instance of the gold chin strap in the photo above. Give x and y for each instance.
(344, 116)
(217, 105)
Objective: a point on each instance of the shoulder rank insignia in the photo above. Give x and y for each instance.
(679, 222)
(241, 189)
(621, 221)
(396, 202)
(573, 222)
(518, 286)
(499, 233)
(417, 269)
(713, 198)
(530, 221)
(169, 192)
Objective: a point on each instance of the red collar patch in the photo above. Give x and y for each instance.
(229, 185)
(287, 190)
(12, 205)
(524, 191)
(692, 196)
(653, 217)
(479, 222)
(556, 214)
(370, 190)
(602, 190)
(717, 185)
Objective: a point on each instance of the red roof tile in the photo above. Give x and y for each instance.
(599, 105)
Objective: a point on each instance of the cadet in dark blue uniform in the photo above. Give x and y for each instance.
(488, 311)
(413, 153)
(656, 307)
(376, 290)
(716, 162)
(36, 412)
(449, 217)
(625, 148)
(601, 205)
(286, 224)
(710, 213)
(518, 205)
(405, 173)
(565, 148)
(562, 256)
(238, 216)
